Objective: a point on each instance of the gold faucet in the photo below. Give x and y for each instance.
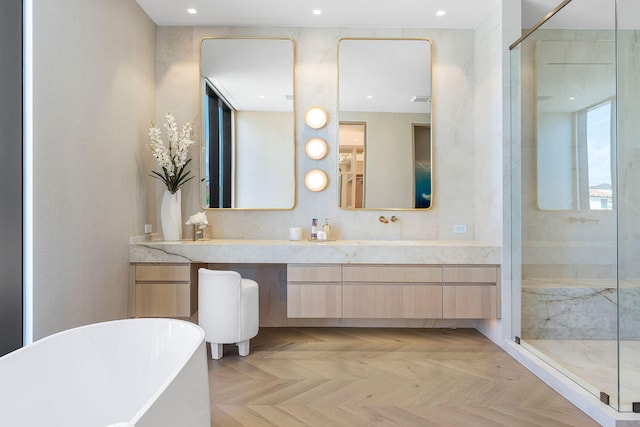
(384, 219)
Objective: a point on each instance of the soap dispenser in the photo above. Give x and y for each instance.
(326, 227)
(314, 229)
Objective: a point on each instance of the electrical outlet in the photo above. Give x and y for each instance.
(147, 228)
(460, 228)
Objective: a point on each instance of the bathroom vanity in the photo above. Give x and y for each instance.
(393, 291)
(327, 283)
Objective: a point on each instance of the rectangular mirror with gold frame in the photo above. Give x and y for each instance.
(385, 94)
(248, 126)
(575, 116)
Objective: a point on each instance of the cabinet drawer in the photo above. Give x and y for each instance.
(163, 273)
(392, 301)
(313, 273)
(469, 302)
(163, 299)
(469, 274)
(392, 273)
(314, 300)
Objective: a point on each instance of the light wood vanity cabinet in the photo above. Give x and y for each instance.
(470, 292)
(165, 290)
(314, 291)
(393, 291)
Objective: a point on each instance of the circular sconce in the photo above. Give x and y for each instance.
(316, 117)
(316, 148)
(316, 180)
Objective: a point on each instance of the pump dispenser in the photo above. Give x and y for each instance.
(326, 227)
(314, 229)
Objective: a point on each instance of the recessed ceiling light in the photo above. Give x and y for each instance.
(317, 12)
(441, 13)
(369, 96)
(571, 98)
(192, 11)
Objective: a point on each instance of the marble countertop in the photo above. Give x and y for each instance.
(318, 252)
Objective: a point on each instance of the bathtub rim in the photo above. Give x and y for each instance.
(187, 353)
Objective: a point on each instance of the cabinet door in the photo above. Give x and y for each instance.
(164, 290)
(392, 273)
(391, 301)
(314, 273)
(469, 301)
(469, 274)
(163, 273)
(320, 300)
(163, 299)
(314, 290)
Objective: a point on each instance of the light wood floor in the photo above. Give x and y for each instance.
(380, 377)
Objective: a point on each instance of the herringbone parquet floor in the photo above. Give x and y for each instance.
(380, 377)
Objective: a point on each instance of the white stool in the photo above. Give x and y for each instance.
(227, 310)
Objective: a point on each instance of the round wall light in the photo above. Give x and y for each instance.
(316, 117)
(316, 180)
(316, 148)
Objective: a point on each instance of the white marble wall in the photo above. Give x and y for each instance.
(499, 29)
(454, 137)
(580, 309)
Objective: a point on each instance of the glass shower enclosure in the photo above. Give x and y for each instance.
(575, 120)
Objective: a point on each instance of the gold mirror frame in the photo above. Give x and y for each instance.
(290, 204)
(347, 115)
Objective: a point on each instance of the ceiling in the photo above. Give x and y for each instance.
(460, 14)
(335, 13)
(379, 13)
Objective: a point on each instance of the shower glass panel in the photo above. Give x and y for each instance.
(575, 119)
(628, 157)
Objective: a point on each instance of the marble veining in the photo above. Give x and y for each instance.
(580, 309)
(340, 251)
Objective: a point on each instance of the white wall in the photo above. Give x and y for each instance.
(94, 81)
(316, 84)
(493, 148)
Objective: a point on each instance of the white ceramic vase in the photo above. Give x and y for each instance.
(171, 215)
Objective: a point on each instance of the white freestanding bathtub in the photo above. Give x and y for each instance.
(134, 372)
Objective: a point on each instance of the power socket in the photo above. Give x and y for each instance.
(147, 228)
(460, 228)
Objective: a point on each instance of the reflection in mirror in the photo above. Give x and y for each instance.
(575, 84)
(352, 143)
(248, 157)
(385, 96)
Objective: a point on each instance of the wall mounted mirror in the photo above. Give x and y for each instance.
(575, 88)
(385, 144)
(248, 126)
